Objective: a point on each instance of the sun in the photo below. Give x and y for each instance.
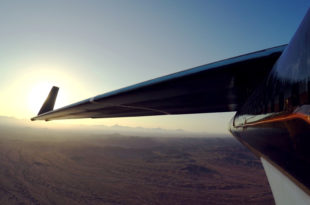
(40, 86)
(25, 94)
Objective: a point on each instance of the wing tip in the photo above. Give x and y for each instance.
(49, 103)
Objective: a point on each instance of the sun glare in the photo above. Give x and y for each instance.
(28, 92)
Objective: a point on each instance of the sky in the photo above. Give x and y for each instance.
(92, 47)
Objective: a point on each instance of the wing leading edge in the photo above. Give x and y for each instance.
(217, 87)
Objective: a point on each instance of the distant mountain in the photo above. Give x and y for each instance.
(103, 129)
(137, 131)
(11, 121)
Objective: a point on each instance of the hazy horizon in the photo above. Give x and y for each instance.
(106, 129)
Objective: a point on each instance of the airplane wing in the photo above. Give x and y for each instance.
(217, 87)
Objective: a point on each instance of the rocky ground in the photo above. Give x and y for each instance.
(47, 167)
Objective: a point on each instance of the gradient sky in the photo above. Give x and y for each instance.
(91, 47)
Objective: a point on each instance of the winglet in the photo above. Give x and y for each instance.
(49, 103)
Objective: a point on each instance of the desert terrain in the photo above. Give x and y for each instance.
(42, 166)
